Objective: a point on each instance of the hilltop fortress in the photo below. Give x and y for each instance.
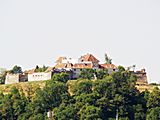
(71, 66)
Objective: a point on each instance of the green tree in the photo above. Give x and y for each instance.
(107, 59)
(16, 69)
(86, 99)
(2, 75)
(125, 93)
(19, 102)
(139, 112)
(38, 116)
(41, 69)
(102, 87)
(6, 108)
(90, 113)
(121, 68)
(154, 114)
(66, 112)
(154, 98)
(101, 74)
(50, 97)
(1, 104)
(82, 87)
(61, 77)
(87, 74)
(90, 100)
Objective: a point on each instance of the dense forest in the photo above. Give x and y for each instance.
(107, 98)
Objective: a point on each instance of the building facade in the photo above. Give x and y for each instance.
(141, 77)
(15, 78)
(38, 76)
(87, 61)
(110, 67)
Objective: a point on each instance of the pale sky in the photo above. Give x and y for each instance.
(37, 31)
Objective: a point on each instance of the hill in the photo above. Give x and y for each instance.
(28, 88)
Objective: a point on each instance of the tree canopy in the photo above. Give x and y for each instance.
(108, 60)
(3, 72)
(41, 69)
(16, 69)
(101, 99)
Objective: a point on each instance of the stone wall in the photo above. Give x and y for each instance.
(15, 78)
(12, 78)
(141, 77)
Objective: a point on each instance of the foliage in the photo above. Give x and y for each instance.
(12, 105)
(16, 69)
(121, 68)
(100, 99)
(41, 69)
(90, 113)
(65, 112)
(154, 84)
(83, 87)
(93, 74)
(3, 73)
(154, 114)
(154, 99)
(107, 59)
(87, 74)
(61, 77)
(101, 74)
(50, 96)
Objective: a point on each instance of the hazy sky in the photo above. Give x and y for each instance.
(37, 31)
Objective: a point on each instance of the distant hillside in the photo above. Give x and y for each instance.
(29, 88)
(146, 87)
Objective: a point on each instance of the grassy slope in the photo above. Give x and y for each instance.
(29, 88)
(146, 87)
(26, 88)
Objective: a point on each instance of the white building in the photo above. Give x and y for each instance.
(87, 61)
(37, 76)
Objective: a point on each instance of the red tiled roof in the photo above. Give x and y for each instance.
(77, 65)
(64, 65)
(89, 57)
(108, 66)
(83, 65)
